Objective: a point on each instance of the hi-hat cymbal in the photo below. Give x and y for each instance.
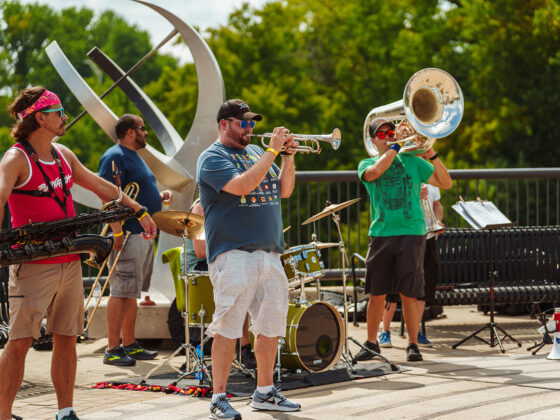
(321, 245)
(333, 208)
(179, 223)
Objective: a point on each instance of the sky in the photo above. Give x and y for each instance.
(200, 13)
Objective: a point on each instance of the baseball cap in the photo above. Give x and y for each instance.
(238, 109)
(378, 122)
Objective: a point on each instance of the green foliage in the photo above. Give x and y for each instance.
(314, 65)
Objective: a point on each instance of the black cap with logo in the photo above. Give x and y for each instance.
(238, 109)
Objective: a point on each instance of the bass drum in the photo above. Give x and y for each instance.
(314, 337)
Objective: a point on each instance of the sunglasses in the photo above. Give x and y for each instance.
(388, 133)
(141, 128)
(244, 123)
(59, 110)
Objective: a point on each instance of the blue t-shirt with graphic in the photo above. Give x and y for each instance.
(133, 169)
(249, 222)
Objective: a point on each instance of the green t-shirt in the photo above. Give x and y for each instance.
(395, 196)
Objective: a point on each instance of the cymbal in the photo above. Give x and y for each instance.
(179, 223)
(321, 245)
(333, 208)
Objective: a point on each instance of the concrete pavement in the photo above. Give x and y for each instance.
(472, 381)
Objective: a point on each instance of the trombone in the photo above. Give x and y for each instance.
(132, 189)
(311, 141)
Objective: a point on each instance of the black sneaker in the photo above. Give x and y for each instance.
(413, 353)
(366, 355)
(117, 357)
(136, 351)
(248, 357)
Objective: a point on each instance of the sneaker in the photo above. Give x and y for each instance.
(384, 339)
(117, 357)
(136, 351)
(423, 340)
(220, 409)
(273, 401)
(366, 355)
(413, 353)
(248, 357)
(71, 416)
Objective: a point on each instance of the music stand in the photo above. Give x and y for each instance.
(481, 215)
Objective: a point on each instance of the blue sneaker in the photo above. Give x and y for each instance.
(423, 341)
(384, 339)
(220, 409)
(274, 401)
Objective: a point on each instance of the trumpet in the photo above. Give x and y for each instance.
(431, 108)
(311, 141)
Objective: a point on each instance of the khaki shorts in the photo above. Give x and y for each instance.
(54, 289)
(134, 268)
(253, 282)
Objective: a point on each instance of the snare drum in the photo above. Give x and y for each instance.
(201, 295)
(303, 261)
(314, 337)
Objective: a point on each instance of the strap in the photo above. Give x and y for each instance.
(33, 155)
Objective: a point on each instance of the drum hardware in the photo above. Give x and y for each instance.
(303, 264)
(314, 140)
(332, 209)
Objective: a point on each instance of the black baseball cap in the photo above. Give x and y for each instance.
(238, 109)
(378, 122)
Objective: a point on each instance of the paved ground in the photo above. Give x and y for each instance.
(473, 381)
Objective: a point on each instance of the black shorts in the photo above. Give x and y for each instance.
(394, 264)
(431, 275)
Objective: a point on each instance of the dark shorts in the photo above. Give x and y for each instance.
(394, 264)
(431, 275)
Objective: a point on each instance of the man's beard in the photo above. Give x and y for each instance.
(243, 140)
(140, 143)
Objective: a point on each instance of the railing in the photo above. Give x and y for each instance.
(531, 197)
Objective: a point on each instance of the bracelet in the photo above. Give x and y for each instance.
(117, 234)
(396, 147)
(140, 214)
(119, 199)
(434, 157)
(270, 149)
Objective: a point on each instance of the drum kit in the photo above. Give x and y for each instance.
(316, 335)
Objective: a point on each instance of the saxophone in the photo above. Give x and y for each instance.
(41, 240)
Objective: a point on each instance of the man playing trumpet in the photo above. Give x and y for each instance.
(240, 191)
(398, 230)
(35, 179)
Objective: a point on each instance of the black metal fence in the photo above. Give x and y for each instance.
(530, 197)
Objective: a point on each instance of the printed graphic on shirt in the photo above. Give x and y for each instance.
(56, 183)
(266, 193)
(396, 186)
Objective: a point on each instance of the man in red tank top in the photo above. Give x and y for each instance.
(35, 179)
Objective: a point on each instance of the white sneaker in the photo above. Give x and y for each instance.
(273, 401)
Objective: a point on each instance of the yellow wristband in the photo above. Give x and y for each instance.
(117, 234)
(270, 149)
(143, 215)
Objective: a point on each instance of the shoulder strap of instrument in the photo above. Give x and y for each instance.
(35, 158)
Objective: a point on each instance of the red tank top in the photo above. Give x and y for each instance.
(26, 209)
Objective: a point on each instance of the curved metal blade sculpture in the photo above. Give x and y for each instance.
(176, 168)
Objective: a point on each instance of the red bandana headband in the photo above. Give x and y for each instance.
(48, 98)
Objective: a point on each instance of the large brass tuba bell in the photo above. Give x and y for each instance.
(431, 108)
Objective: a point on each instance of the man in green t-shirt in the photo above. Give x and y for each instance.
(398, 230)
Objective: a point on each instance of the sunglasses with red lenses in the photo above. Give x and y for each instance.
(388, 133)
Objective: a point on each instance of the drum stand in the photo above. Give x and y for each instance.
(345, 350)
(199, 368)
